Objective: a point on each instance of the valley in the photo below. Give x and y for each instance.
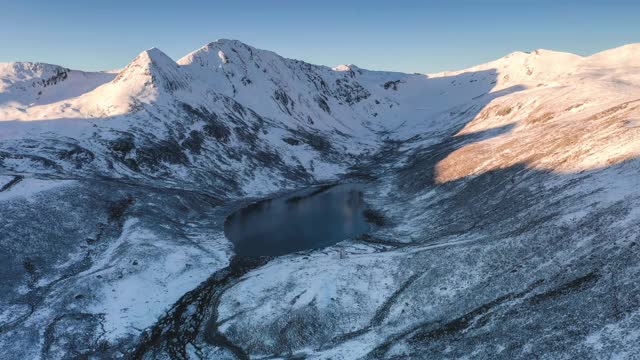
(503, 214)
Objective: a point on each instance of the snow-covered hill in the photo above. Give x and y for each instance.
(25, 85)
(508, 191)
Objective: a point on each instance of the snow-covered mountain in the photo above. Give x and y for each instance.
(508, 189)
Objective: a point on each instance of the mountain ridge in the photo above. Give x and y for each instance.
(505, 199)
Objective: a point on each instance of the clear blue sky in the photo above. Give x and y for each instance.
(411, 36)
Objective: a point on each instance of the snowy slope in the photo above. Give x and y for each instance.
(509, 191)
(310, 112)
(29, 84)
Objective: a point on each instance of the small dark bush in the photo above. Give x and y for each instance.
(374, 217)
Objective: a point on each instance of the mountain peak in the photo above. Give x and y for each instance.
(154, 68)
(154, 52)
(223, 45)
(540, 53)
(12, 72)
(221, 42)
(346, 67)
(218, 53)
(153, 57)
(626, 55)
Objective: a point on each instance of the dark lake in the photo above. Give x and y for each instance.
(308, 219)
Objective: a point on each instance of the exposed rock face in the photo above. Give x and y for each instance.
(504, 198)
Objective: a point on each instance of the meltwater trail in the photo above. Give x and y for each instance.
(191, 321)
